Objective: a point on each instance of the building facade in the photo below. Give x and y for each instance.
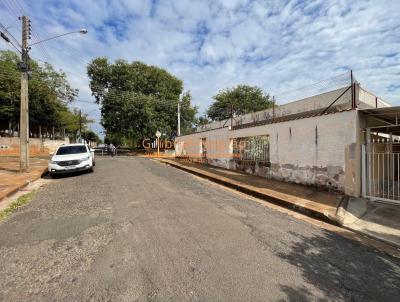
(315, 141)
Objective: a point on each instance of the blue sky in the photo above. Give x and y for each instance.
(214, 44)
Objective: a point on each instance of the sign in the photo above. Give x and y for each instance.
(150, 144)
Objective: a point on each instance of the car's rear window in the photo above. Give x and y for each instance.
(71, 150)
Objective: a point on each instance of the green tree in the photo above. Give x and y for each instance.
(203, 120)
(241, 99)
(72, 121)
(89, 135)
(137, 99)
(188, 114)
(49, 94)
(10, 85)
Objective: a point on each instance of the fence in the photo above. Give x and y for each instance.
(35, 131)
(325, 96)
(382, 169)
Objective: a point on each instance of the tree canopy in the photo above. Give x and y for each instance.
(240, 99)
(90, 136)
(49, 94)
(137, 99)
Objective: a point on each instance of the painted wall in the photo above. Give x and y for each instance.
(10, 145)
(319, 151)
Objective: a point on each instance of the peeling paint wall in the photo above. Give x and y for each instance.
(319, 151)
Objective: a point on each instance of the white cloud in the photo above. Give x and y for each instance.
(214, 44)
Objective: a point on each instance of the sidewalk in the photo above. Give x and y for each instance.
(11, 180)
(377, 220)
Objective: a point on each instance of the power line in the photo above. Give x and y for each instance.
(5, 30)
(19, 6)
(10, 9)
(8, 37)
(329, 84)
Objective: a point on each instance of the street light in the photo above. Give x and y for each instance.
(24, 112)
(82, 31)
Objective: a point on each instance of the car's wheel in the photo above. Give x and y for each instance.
(91, 170)
(53, 175)
(94, 163)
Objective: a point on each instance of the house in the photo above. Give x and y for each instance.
(344, 140)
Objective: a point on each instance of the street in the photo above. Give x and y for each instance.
(138, 230)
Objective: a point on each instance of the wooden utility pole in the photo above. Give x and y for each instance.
(24, 109)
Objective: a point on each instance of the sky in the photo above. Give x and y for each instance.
(279, 46)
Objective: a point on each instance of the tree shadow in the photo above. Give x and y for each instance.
(300, 294)
(342, 270)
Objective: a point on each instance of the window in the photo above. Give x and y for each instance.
(253, 148)
(71, 150)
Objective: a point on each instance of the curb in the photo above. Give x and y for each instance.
(273, 199)
(23, 185)
(388, 242)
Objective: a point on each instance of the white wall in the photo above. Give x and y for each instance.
(10, 145)
(297, 158)
(335, 131)
(369, 100)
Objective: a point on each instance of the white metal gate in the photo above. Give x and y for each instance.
(381, 169)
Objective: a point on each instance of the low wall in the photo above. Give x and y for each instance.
(10, 146)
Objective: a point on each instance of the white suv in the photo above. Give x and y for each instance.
(71, 158)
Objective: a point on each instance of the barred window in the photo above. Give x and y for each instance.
(253, 148)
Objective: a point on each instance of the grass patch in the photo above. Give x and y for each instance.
(20, 202)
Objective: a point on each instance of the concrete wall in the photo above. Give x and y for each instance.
(10, 145)
(369, 100)
(320, 150)
(218, 145)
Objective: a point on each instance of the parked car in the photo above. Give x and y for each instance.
(72, 158)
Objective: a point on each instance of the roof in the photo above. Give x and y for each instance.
(389, 114)
(383, 118)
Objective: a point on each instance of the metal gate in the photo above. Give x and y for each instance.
(381, 169)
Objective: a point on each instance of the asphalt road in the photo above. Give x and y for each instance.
(137, 230)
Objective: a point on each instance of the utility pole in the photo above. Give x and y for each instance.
(273, 107)
(179, 118)
(23, 126)
(80, 125)
(24, 109)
